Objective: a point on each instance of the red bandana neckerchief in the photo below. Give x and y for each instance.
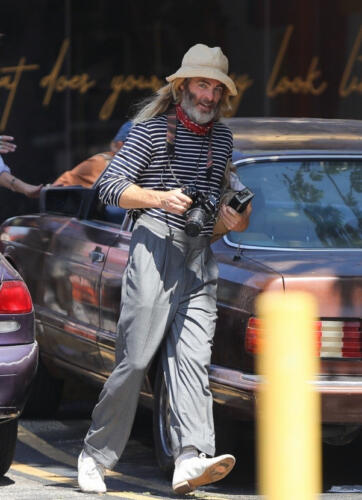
(190, 125)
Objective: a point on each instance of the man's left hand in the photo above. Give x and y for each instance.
(234, 221)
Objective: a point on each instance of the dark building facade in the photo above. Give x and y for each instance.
(72, 70)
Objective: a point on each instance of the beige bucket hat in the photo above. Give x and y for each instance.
(203, 61)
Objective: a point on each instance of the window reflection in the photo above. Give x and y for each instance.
(304, 204)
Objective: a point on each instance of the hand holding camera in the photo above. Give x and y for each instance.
(235, 209)
(204, 209)
(174, 201)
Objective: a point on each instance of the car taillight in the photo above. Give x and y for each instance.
(339, 339)
(14, 298)
(334, 339)
(253, 335)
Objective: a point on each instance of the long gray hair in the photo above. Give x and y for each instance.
(166, 96)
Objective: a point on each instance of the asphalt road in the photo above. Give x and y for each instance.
(47, 450)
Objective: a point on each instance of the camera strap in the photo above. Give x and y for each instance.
(170, 143)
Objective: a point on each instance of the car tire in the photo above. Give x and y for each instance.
(8, 435)
(161, 424)
(45, 394)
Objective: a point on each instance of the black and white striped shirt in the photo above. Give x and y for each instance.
(143, 161)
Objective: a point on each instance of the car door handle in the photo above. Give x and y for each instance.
(96, 255)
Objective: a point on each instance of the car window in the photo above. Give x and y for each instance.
(303, 204)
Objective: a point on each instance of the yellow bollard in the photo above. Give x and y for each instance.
(289, 456)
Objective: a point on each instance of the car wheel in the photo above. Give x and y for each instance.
(8, 435)
(45, 394)
(161, 424)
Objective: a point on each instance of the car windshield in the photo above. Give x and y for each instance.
(303, 204)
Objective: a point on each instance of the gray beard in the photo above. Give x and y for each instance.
(193, 113)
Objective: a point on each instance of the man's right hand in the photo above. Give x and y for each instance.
(6, 146)
(174, 201)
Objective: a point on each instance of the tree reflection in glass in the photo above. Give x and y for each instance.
(304, 204)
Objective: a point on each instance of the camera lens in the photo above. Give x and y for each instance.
(196, 219)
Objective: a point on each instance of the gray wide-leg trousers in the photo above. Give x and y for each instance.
(168, 294)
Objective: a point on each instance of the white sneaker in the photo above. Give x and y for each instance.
(90, 474)
(191, 473)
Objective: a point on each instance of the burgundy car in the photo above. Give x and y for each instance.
(305, 234)
(18, 356)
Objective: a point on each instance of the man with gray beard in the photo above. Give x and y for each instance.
(176, 146)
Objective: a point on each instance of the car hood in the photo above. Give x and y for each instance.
(333, 277)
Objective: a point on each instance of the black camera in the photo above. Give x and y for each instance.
(241, 199)
(202, 210)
